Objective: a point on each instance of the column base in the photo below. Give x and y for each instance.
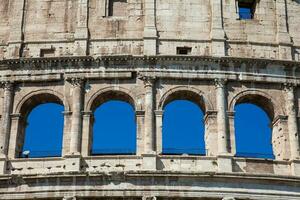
(295, 167)
(150, 46)
(225, 163)
(73, 162)
(3, 164)
(218, 48)
(285, 51)
(80, 47)
(149, 162)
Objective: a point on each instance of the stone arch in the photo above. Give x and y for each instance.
(110, 93)
(96, 100)
(185, 93)
(259, 98)
(37, 97)
(24, 108)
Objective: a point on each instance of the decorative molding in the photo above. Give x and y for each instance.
(13, 63)
(159, 112)
(289, 87)
(147, 79)
(140, 113)
(75, 81)
(149, 198)
(278, 119)
(7, 85)
(220, 83)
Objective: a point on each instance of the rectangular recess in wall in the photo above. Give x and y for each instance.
(184, 50)
(246, 9)
(47, 53)
(117, 8)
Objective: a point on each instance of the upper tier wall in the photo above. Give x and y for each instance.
(40, 28)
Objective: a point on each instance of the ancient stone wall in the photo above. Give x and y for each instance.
(82, 53)
(70, 27)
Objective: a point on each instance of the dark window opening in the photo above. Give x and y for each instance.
(246, 9)
(46, 53)
(184, 50)
(117, 7)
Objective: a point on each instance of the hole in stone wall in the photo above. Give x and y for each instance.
(246, 9)
(47, 52)
(117, 7)
(184, 50)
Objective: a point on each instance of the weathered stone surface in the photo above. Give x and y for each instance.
(81, 53)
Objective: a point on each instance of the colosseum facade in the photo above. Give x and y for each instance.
(82, 53)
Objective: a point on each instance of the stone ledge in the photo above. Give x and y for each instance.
(147, 58)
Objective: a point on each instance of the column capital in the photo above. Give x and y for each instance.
(220, 83)
(148, 80)
(228, 198)
(87, 113)
(7, 85)
(279, 118)
(148, 198)
(159, 112)
(15, 116)
(67, 113)
(289, 87)
(75, 81)
(69, 198)
(140, 113)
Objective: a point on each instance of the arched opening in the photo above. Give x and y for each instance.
(114, 129)
(39, 128)
(183, 124)
(253, 131)
(43, 132)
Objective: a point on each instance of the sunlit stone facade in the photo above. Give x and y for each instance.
(81, 53)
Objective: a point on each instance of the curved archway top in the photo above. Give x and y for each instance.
(38, 97)
(110, 93)
(259, 98)
(185, 93)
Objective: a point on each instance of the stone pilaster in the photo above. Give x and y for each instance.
(149, 114)
(87, 131)
(292, 121)
(67, 132)
(5, 124)
(211, 133)
(221, 117)
(140, 117)
(16, 23)
(150, 30)
(159, 123)
(217, 33)
(280, 141)
(5, 120)
(149, 154)
(283, 37)
(81, 32)
(16, 134)
(76, 124)
(231, 132)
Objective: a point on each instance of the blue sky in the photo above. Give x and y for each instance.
(183, 130)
